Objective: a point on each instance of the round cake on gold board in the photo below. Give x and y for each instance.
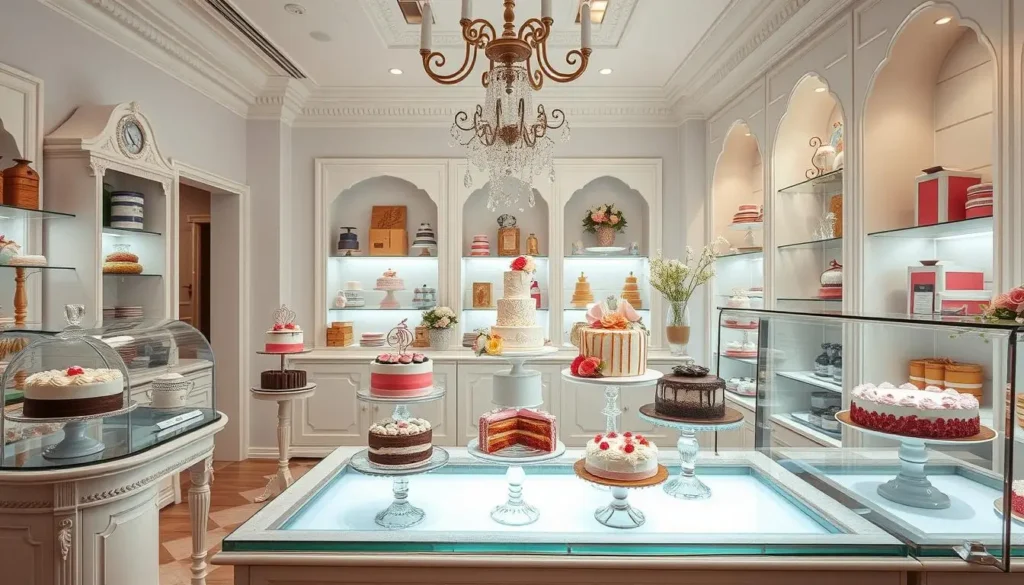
(658, 478)
(986, 434)
(731, 416)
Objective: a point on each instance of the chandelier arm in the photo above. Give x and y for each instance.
(527, 132)
(476, 34)
(558, 117)
(463, 117)
(581, 56)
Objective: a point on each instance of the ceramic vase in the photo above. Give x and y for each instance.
(605, 236)
(677, 328)
(440, 339)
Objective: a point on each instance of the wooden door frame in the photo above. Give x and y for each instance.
(194, 221)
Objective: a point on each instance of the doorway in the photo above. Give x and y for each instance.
(200, 237)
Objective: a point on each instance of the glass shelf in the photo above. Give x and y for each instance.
(382, 258)
(957, 322)
(964, 227)
(810, 379)
(491, 310)
(826, 184)
(143, 275)
(736, 254)
(38, 267)
(378, 309)
(575, 310)
(14, 212)
(604, 257)
(508, 258)
(814, 244)
(809, 300)
(120, 232)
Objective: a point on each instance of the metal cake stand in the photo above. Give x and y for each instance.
(688, 486)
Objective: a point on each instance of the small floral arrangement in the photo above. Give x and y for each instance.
(1008, 306)
(677, 279)
(524, 264)
(614, 314)
(587, 367)
(604, 216)
(488, 343)
(440, 318)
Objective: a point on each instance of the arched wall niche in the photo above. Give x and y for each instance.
(737, 179)
(931, 102)
(478, 219)
(607, 190)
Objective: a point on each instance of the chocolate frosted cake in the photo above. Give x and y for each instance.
(400, 443)
(689, 392)
(282, 379)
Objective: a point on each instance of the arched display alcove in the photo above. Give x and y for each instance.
(352, 206)
(738, 179)
(931, 104)
(477, 270)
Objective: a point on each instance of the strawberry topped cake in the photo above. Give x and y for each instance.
(621, 457)
(404, 375)
(1017, 497)
(911, 412)
(285, 336)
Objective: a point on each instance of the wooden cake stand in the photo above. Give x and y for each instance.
(619, 514)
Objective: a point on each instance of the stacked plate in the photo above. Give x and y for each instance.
(468, 338)
(979, 201)
(371, 340)
(128, 312)
(108, 313)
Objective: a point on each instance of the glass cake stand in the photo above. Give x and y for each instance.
(911, 487)
(75, 443)
(515, 511)
(401, 403)
(611, 386)
(400, 514)
(688, 486)
(619, 513)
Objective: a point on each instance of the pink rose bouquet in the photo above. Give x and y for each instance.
(1008, 306)
(604, 215)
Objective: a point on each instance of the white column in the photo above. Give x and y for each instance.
(199, 510)
(284, 436)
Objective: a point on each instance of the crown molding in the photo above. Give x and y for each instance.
(390, 25)
(282, 99)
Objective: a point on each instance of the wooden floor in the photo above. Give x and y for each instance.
(235, 487)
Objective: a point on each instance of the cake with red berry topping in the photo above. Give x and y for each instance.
(912, 412)
(398, 375)
(621, 457)
(73, 392)
(504, 428)
(1017, 497)
(400, 443)
(285, 336)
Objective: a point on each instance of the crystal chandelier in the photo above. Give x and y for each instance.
(511, 48)
(508, 139)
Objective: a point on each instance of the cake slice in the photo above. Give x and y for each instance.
(503, 428)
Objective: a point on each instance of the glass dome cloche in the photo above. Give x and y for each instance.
(83, 396)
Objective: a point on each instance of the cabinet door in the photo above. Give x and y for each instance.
(631, 400)
(440, 413)
(475, 382)
(332, 417)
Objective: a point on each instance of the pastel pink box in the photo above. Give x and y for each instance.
(942, 196)
(961, 302)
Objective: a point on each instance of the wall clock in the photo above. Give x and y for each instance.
(130, 136)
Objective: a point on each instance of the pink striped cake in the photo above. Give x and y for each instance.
(401, 375)
(747, 214)
(625, 457)
(285, 336)
(480, 246)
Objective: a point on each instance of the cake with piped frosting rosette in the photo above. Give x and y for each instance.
(398, 375)
(400, 443)
(911, 412)
(75, 391)
(621, 457)
(285, 336)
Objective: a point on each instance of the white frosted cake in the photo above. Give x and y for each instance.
(616, 336)
(390, 281)
(909, 411)
(285, 336)
(625, 457)
(517, 311)
(73, 392)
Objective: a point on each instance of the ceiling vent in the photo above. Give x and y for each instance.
(412, 11)
(260, 42)
(598, 8)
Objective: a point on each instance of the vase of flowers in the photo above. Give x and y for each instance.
(677, 280)
(605, 221)
(440, 322)
(1008, 306)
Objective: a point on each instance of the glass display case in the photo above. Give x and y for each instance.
(82, 396)
(923, 410)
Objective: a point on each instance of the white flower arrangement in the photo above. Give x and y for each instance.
(677, 280)
(440, 318)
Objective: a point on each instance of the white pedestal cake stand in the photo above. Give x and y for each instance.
(75, 443)
(748, 237)
(611, 392)
(688, 486)
(400, 514)
(911, 487)
(516, 511)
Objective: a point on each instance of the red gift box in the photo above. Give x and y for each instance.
(926, 283)
(942, 195)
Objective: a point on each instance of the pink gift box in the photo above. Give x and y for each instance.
(942, 195)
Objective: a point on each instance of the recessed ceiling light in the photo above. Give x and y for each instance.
(605, 71)
(395, 71)
(819, 90)
(747, 134)
(944, 20)
(319, 35)
(296, 9)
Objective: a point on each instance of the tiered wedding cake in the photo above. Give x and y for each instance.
(517, 311)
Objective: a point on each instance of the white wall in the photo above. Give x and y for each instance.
(78, 67)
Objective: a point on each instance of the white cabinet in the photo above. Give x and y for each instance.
(333, 416)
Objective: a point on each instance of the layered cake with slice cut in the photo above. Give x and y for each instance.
(616, 337)
(285, 336)
(747, 214)
(400, 443)
(625, 457)
(517, 312)
(75, 391)
(689, 392)
(909, 411)
(395, 375)
(503, 428)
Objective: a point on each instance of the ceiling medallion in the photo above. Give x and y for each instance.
(510, 49)
(506, 138)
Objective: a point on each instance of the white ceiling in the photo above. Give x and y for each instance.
(642, 41)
